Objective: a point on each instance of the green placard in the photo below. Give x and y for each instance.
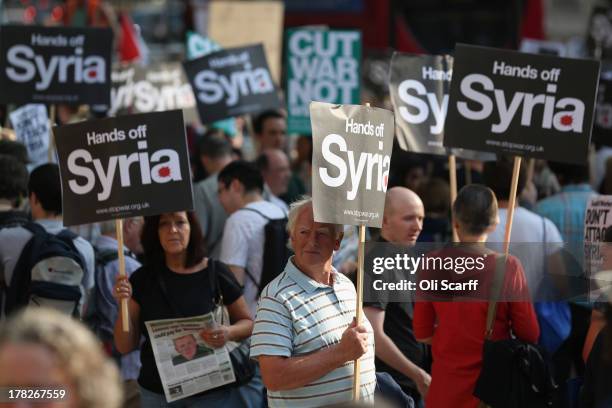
(322, 65)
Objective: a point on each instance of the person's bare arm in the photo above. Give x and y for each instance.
(130, 341)
(390, 354)
(286, 373)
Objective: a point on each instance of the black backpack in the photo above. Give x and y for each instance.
(48, 273)
(9, 219)
(276, 253)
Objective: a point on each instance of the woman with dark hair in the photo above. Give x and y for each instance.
(174, 283)
(456, 329)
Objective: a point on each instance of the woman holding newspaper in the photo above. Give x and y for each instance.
(176, 290)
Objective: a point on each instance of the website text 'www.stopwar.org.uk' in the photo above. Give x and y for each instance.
(123, 208)
(516, 146)
(357, 213)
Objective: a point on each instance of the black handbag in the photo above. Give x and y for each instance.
(515, 373)
(244, 367)
(239, 352)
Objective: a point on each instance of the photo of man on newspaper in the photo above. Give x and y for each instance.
(186, 364)
(188, 349)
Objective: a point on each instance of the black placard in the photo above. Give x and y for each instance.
(124, 167)
(232, 82)
(419, 92)
(602, 127)
(55, 65)
(522, 104)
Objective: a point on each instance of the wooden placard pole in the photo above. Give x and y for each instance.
(51, 139)
(511, 202)
(452, 177)
(467, 168)
(359, 304)
(530, 170)
(124, 302)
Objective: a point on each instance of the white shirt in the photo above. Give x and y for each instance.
(526, 242)
(243, 244)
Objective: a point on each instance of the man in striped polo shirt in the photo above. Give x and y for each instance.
(305, 337)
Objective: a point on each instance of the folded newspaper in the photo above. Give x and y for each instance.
(186, 364)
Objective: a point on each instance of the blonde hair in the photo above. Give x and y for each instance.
(95, 377)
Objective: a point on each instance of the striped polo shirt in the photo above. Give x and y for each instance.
(297, 315)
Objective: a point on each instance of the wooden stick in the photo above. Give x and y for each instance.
(452, 176)
(530, 170)
(51, 139)
(467, 168)
(511, 202)
(125, 317)
(359, 304)
(359, 307)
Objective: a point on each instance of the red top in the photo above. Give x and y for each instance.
(458, 335)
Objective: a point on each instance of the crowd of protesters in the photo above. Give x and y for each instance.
(301, 325)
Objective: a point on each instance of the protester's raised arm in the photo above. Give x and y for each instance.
(130, 341)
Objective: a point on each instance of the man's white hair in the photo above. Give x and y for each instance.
(296, 207)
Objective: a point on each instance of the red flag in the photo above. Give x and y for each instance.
(129, 49)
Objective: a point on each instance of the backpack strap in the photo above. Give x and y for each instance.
(34, 228)
(256, 211)
(498, 278)
(65, 235)
(107, 256)
(248, 274)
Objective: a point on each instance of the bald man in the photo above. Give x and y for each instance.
(403, 217)
(397, 351)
